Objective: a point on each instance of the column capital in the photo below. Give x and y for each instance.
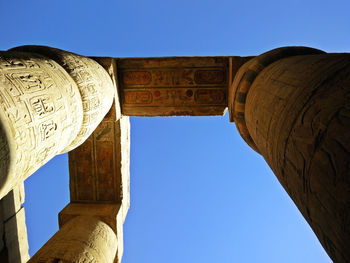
(244, 78)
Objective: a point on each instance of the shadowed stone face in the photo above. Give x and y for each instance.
(296, 114)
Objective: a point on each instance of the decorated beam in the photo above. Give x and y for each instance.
(175, 86)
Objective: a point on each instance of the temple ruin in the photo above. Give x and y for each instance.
(291, 105)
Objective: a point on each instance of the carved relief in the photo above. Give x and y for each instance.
(42, 106)
(47, 129)
(41, 113)
(105, 171)
(99, 168)
(173, 86)
(209, 96)
(96, 89)
(138, 97)
(176, 97)
(210, 76)
(297, 113)
(94, 84)
(137, 78)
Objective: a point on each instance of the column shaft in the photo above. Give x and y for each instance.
(51, 101)
(41, 112)
(82, 239)
(297, 113)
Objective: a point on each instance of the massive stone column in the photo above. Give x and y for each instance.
(292, 105)
(82, 239)
(51, 101)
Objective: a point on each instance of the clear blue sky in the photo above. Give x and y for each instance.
(198, 192)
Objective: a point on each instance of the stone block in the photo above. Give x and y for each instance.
(81, 239)
(11, 203)
(111, 214)
(99, 169)
(16, 239)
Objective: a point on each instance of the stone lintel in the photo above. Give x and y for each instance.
(99, 168)
(111, 214)
(174, 86)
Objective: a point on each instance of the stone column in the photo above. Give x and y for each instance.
(82, 239)
(51, 101)
(292, 105)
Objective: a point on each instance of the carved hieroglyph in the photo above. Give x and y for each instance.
(41, 113)
(175, 86)
(99, 168)
(46, 108)
(94, 84)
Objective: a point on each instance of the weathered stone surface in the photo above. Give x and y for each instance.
(245, 77)
(95, 86)
(291, 107)
(111, 214)
(175, 86)
(13, 232)
(2, 232)
(49, 104)
(41, 113)
(110, 65)
(297, 112)
(12, 202)
(99, 169)
(16, 239)
(99, 176)
(82, 239)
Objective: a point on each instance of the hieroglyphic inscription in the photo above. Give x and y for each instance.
(47, 129)
(137, 78)
(210, 76)
(99, 168)
(173, 86)
(105, 171)
(210, 96)
(174, 77)
(94, 84)
(41, 112)
(138, 97)
(176, 97)
(96, 89)
(42, 105)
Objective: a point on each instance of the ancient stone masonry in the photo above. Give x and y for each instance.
(292, 105)
(51, 101)
(82, 239)
(178, 86)
(13, 230)
(99, 186)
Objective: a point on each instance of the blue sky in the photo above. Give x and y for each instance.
(198, 192)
